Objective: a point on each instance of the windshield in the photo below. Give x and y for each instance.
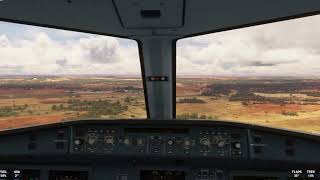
(266, 75)
(49, 75)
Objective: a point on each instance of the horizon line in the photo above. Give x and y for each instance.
(178, 76)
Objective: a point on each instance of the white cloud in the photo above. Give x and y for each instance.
(38, 52)
(281, 49)
(284, 48)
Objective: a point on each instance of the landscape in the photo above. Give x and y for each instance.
(281, 102)
(34, 100)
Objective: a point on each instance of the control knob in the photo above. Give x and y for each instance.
(92, 138)
(221, 143)
(78, 142)
(236, 145)
(187, 142)
(109, 140)
(170, 142)
(140, 142)
(126, 141)
(205, 141)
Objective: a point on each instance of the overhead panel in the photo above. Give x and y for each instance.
(150, 13)
(98, 16)
(207, 16)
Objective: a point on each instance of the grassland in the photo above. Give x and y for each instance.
(35, 100)
(276, 102)
(292, 104)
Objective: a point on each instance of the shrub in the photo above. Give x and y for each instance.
(191, 100)
(287, 113)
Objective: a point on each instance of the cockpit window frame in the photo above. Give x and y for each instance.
(269, 21)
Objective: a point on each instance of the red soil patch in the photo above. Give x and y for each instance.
(52, 101)
(186, 89)
(273, 108)
(26, 121)
(17, 91)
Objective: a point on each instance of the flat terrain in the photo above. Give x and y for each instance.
(277, 102)
(282, 103)
(34, 100)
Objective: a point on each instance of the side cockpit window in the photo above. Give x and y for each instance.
(266, 75)
(49, 75)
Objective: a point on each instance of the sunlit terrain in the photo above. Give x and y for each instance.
(34, 100)
(262, 75)
(50, 75)
(275, 102)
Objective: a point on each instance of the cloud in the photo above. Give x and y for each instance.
(279, 49)
(261, 63)
(61, 62)
(100, 49)
(267, 63)
(4, 41)
(43, 51)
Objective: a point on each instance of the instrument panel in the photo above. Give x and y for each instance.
(170, 142)
(141, 150)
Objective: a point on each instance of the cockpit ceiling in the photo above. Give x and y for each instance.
(135, 18)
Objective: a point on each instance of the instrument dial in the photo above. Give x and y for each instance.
(127, 141)
(170, 142)
(187, 142)
(78, 142)
(205, 141)
(92, 138)
(221, 143)
(140, 142)
(109, 140)
(237, 145)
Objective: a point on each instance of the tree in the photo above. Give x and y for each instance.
(61, 107)
(203, 117)
(127, 100)
(54, 107)
(194, 116)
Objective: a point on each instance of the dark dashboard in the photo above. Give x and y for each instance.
(157, 150)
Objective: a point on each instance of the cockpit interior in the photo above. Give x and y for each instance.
(159, 90)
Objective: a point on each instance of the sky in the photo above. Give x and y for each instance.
(31, 50)
(287, 48)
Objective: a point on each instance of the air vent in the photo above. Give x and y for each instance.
(150, 13)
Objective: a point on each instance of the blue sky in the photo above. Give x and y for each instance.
(289, 48)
